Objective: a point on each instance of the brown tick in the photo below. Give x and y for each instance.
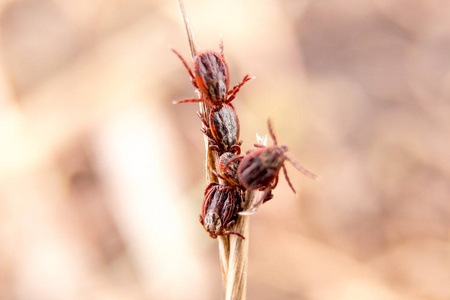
(212, 78)
(259, 168)
(228, 166)
(220, 208)
(222, 129)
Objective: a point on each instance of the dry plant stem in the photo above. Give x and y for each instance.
(189, 31)
(233, 250)
(236, 284)
(224, 256)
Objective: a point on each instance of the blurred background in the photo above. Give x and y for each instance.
(101, 177)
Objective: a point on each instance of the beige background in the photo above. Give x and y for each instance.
(101, 177)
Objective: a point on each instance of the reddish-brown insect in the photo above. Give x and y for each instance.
(228, 166)
(222, 129)
(212, 78)
(259, 169)
(220, 208)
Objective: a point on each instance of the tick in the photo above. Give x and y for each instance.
(259, 169)
(222, 129)
(212, 78)
(220, 209)
(228, 166)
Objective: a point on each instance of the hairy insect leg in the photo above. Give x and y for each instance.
(271, 131)
(187, 67)
(212, 143)
(203, 119)
(275, 183)
(220, 175)
(288, 180)
(214, 146)
(237, 157)
(255, 206)
(236, 148)
(209, 187)
(187, 101)
(232, 93)
(301, 168)
(206, 131)
(228, 180)
(194, 100)
(235, 233)
(258, 146)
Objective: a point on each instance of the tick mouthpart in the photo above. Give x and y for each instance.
(213, 223)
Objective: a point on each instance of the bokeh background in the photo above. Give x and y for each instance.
(101, 177)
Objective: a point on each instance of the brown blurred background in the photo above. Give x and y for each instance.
(101, 177)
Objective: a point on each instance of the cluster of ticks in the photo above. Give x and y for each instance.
(257, 170)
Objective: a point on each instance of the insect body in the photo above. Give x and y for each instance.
(212, 78)
(228, 166)
(220, 208)
(259, 169)
(222, 129)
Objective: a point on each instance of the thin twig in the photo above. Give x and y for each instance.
(236, 287)
(224, 256)
(189, 31)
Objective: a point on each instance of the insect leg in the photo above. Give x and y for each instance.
(288, 180)
(274, 184)
(220, 175)
(187, 67)
(203, 119)
(235, 233)
(232, 93)
(236, 148)
(213, 146)
(187, 101)
(301, 168)
(272, 133)
(237, 157)
(255, 206)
